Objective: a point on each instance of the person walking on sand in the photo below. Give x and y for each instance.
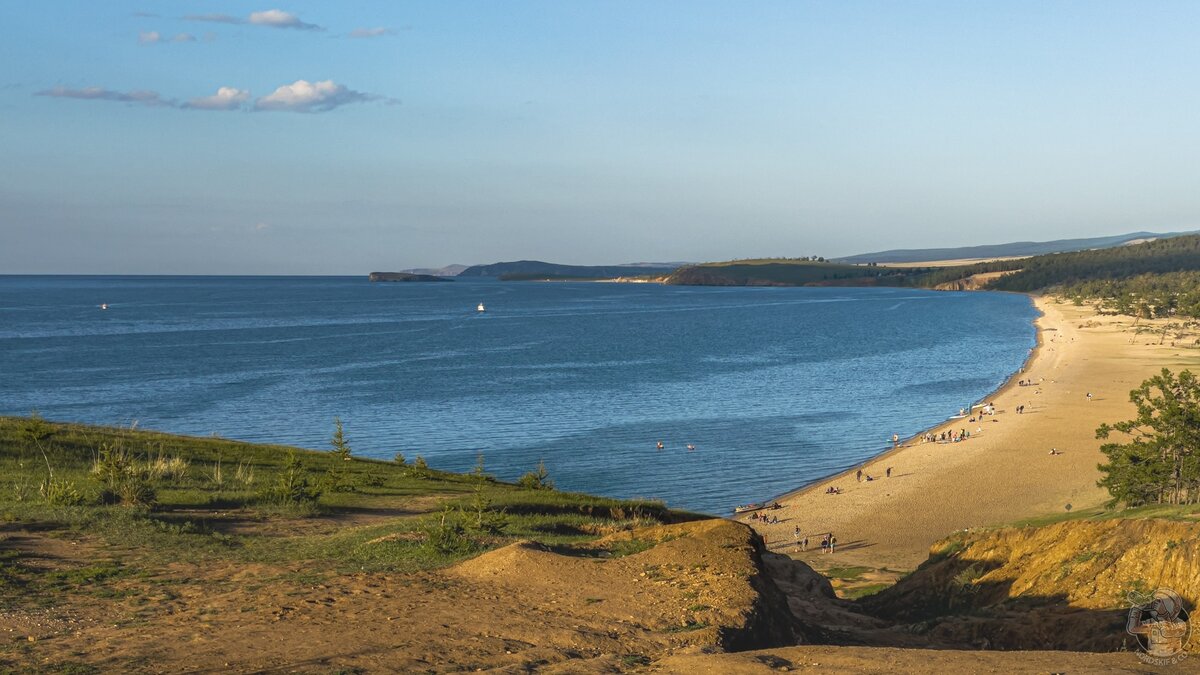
(888, 473)
(804, 544)
(832, 543)
(858, 476)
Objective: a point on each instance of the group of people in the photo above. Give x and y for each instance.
(831, 490)
(947, 436)
(828, 541)
(859, 475)
(766, 520)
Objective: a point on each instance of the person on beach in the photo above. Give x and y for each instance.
(1089, 397)
(797, 534)
(888, 473)
(858, 476)
(804, 544)
(895, 440)
(832, 542)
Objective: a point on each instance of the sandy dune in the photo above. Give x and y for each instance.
(1004, 472)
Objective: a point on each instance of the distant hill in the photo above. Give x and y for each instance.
(447, 271)
(789, 272)
(1169, 255)
(533, 269)
(1017, 248)
(404, 276)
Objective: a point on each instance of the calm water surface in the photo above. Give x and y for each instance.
(774, 386)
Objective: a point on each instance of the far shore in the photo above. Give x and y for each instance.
(1004, 472)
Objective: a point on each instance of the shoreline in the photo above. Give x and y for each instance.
(1009, 382)
(1013, 467)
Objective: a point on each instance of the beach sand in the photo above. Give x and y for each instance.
(1002, 473)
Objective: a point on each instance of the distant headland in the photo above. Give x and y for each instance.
(404, 276)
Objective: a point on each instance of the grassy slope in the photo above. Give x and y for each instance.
(216, 507)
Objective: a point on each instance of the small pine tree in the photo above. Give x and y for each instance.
(340, 446)
(400, 459)
(419, 466)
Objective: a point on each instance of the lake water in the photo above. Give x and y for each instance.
(775, 387)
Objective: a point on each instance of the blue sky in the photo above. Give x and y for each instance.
(326, 138)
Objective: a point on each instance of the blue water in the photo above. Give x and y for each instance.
(774, 386)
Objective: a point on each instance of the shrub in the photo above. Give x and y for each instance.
(60, 492)
(447, 535)
(167, 468)
(400, 459)
(419, 467)
(292, 487)
(123, 480)
(538, 479)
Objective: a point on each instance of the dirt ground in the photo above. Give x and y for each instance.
(514, 609)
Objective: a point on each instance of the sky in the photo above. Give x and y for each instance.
(223, 137)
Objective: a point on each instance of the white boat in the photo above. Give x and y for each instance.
(104, 305)
(480, 308)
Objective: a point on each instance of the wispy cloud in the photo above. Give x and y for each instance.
(138, 97)
(213, 18)
(153, 37)
(226, 98)
(273, 18)
(371, 32)
(300, 96)
(307, 97)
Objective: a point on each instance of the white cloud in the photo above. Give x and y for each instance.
(226, 98)
(277, 18)
(184, 37)
(305, 96)
(139, 97)
(371, 32)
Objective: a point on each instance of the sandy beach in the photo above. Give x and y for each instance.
(1004, 471)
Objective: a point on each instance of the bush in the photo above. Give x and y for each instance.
(292, 487)
(59, 492)
(537, 480)
(448, 535)
(419, 467)
(167, 468)
(123, 480)
(400, 459)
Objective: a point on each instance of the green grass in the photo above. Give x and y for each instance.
(1186, 512)
(215, 506)
(850, 573)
